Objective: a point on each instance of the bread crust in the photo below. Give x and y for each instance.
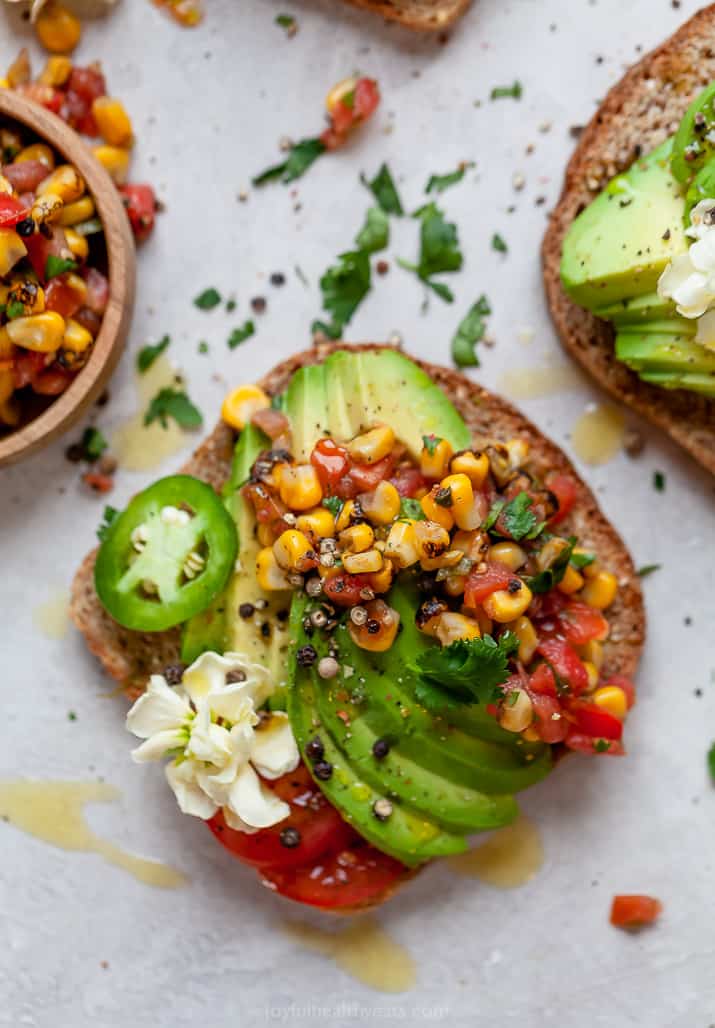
(420, 15)
(638, 114)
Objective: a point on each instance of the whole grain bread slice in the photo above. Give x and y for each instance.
(420, 15)
(641, 111)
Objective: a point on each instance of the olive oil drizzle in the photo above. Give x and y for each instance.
(511, 856)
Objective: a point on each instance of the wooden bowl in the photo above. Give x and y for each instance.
(69, 406)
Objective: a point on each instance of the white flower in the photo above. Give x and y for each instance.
(218, 741)
(689, 279)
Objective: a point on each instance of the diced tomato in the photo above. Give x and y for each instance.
(634, 911)
(11, 210)
(542, 681)
(354, 876)
(269, 509)
(97, 290)
(140, 204)
(367, 97)
(367, 476)
(349, 111)
(583, 743)
(345, 590)
(550, 722)
(345, 488)
(87, 82)
(75, 108)
(39, 248)
(330, 461)
(408, 481)
(53, 381)
(87, 126)
(25, 176)
(565, 662)
(564, 489)
(46, 96)
(62, 297)
(593, 721)
(99, 482)
(89, 320)
(626, 684)
(581, 623)
(28, 365)
(482, 584)
(318, 825)
(271, 422)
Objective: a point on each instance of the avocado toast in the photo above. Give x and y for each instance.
(420, 15)
(401, 761)
(638, 117)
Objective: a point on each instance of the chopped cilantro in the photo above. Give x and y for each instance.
(439, 249)
(498, 243)
(430, 443)
(375, 233)
(287, 22)
(207, 300)
(601, 745)
(93, 444)
(240, 335)
(582, 560)
(14, 309)
(71, 716)
(109, 516)
(231, 305)
(384, 190)
(469, 332)
(173, 403)
(467, 671)
(334, 504)
(344, 286)
(515, 91)
(438, 183)
(659, 481)
(149, 353)
(519, 522)
(648, 569)
(711, 762)
(551, 576)
(203, 346)
(58, 265)
(299, 159)
(411, 509)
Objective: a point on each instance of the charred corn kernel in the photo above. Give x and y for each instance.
(382, 505)
(503, 606)
(525, 632)
(37, 152)
(518, 450)
(452, 626)
(339, 91)
(77, 244)
(58, 29)
(450, 559)
(612, 699)
(24, 291)
(290, 549)
(550, 551)
(431, 540)
(265, 534)
(346, 515)
(80, 210)
(384, 619)
(269, 575)
(65, 181)
(372, 446)
(462, 499)
(600, 591)
(241, 404)
(472, 544)
(19, 71)
(592, 569)
(435, 457)
(380, 581)
(12, 249)
(592, 652)
(474, 465)
(115, 161)
(77, 284)
(517, 713)
(41, 332)
(592, 674)
(319, 522)
(402, 545)
(571, 582)
(362, 563)
(436, 511)
(300, 487)
(5, 186)
(356, 538)
(56, 71)
(507, 553)
(46, 208)
(112, 120)
(76, 338)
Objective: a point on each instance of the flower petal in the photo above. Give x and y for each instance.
(274, 751)
(159, 708)
(208, 675)
(234, 703)
(705, 334)
(208, 742)
(189, 795)
(235, 822)
(159, 744)
(256, 805)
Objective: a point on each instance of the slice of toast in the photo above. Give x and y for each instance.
(641, 111)
(420, 15)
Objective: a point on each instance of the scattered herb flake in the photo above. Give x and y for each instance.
(711, 762)
(439, 249)
(58, 265)
(438, 183)
(230, 305)
(648, 569)
(299, 159)
(659, 481)
(601, 745)
(93, 444)
(109, 516)
(375, 233)
(14, 309)
(582, 560)
(411, 509)
(149, 353)
(173, 403)
(384, 190)
(470, 331)
(71, 716)
(203, 346)
(240, 335)
(344, 286)
(499, 244)
(514, 91)
(287, 22)
(207, 300)
(334, 504)
(430, 443)
(545, 580)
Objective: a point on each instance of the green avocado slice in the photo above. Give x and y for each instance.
(637, 309)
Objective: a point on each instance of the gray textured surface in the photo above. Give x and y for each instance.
(209, 107)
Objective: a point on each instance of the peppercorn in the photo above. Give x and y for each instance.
(380, 748)
(290, 838)
(306, 656)
(174, 673)
(265, 630)
(278, 278)
(25, 227)
(235, 675)
(258, 304)
(246, 610)
(328, 667)
(323, 770)
(314, 748)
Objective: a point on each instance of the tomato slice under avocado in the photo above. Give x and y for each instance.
(141, 574)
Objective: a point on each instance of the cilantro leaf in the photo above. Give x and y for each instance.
(438, 183)
(659, 481)
(58, 265)
(519, 522)
(207, 300)
(332, 330)
(287, 22)
(109, 516)
(173, 403)
(469, 332)
(514, 91)
(551, 576)
(203, 346)
(149, 353)
(439, 249)
(648, 569)
(430, 443)
(375, 233)
(582, 560)
(14, 309)
(469, 671)
(334, 504)
(601, 745)
(93, 443)
(498, 243)
(711, 762)
(384, 190)
(299, 159)
(411, 509)
(344, 286)
(240, 335)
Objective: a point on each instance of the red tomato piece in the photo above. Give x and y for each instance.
(140, 204)
(367, 97)
(89, 320)
(581, 623)
(354, 876)
(345, 488)
(87, 82)
(28, 365)
(100, 483)
(97, 290)
(87, 126)
(75, 108)
(565, 662)
(39, 248)
(542, 681)
(408, 481)
(330, 461)
(344, 589)
(12, 210)
(482, 584)
(576, 740)
(593, 721)
(564, 489)
(25, 176)
(550, 722)
(626, 684)
(634, 911)
(63, 298)
(318, 824)
(367, 476)
(53, 381)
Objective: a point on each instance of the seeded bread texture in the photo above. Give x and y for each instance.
(421, 15)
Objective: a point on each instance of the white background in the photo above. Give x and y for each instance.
(209, 107)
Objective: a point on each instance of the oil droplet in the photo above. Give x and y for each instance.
(509, 858)
(597, 436)
(54, 812)
(360, 792)
(140, 447)
(51, 618)
(530, 382)
(363, 950)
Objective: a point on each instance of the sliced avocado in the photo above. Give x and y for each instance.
(691, 381)
(681, 328)
(637, 309)
(692, 143)
(666, 351)
(619, 245)
(701, 188)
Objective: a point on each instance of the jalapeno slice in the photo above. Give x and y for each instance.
(166, 556)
